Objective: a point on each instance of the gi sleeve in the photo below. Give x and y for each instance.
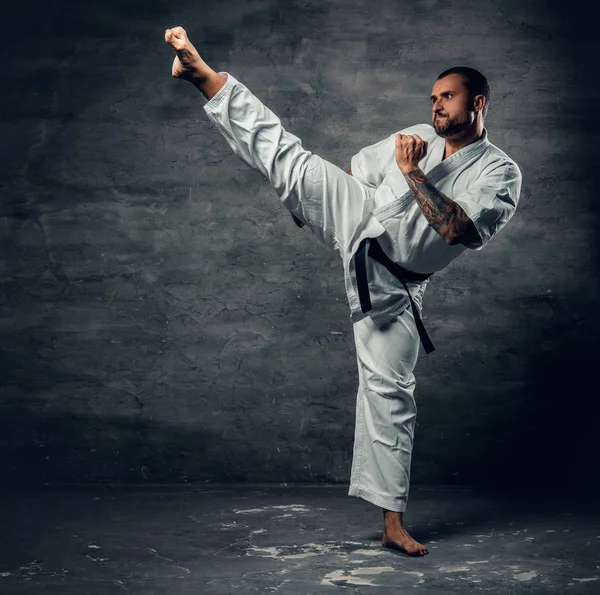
(491, 201)
(371, 163)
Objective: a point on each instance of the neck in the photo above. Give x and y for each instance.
(466, 137)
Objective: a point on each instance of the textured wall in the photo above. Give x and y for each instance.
(162, 318)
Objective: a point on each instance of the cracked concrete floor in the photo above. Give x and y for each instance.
(222, 539)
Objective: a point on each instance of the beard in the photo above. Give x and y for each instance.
(446, 126)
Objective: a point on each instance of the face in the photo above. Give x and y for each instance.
(452, 112)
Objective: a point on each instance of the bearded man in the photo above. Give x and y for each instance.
(409, 206)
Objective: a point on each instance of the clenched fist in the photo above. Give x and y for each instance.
(410, 149)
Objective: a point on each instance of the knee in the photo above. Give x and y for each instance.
(290, 180)
(392, 384)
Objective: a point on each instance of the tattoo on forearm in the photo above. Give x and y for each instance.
(417, 176)
(443, 214)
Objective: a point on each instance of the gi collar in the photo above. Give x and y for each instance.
(470, 151)
(438, 172)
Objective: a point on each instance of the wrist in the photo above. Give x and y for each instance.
(405, 168)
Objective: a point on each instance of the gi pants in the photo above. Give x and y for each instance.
(333, 205)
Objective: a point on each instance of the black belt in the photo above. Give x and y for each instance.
(375, 251)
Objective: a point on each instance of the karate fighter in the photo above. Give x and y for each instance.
(409, 205)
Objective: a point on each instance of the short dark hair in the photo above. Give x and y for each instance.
(475, 82)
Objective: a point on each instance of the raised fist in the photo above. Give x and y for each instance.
(410, 149)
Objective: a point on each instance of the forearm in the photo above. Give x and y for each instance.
(443, 214)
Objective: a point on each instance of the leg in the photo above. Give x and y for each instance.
(330, 202)
(385, 422)
(324, 197)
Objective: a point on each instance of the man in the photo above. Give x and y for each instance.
(413, 203)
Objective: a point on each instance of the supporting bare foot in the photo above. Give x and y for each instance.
(395, 536)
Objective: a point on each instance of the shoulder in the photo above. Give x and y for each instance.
(496, 159)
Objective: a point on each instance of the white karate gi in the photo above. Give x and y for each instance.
(375, 201)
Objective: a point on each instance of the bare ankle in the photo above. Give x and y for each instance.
(392, 516)
(208, 83)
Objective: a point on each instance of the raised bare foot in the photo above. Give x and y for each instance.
(187, 63)
(396, 537)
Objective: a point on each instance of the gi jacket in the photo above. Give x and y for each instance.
(480, 177)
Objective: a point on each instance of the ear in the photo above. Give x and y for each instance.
(479, 103)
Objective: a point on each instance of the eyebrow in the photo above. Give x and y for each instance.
(442, 93)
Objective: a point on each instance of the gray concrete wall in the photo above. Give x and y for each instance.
(162, 318)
